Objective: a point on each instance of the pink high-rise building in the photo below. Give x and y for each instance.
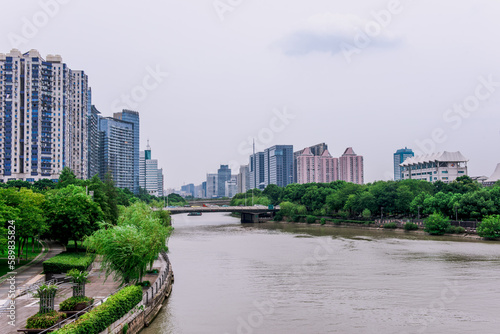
(316, 168)
(351, 167)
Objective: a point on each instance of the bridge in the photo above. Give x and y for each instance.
(249, 214)
(217, 201)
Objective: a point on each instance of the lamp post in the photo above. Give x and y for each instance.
(382, 214)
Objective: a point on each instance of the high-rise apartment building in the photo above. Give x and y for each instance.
(94, 142)
(315, 150)
(132, 117)
(399, 157)
(150, 176)
(44, 108)
(212, 186)
(314, 168)
(351, 167)
(278, 165)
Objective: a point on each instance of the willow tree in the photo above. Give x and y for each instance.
(130, 247)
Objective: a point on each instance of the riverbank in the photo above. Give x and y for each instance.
(469, 236)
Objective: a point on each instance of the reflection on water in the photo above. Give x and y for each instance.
(287, 278)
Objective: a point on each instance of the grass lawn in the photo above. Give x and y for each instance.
(4, 269)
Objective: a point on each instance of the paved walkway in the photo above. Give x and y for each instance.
(33, 270)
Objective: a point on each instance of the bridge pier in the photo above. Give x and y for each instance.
(249, 218)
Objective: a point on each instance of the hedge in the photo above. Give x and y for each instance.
(101, 317)
(45, 320)
(65, 261)
(70, 303)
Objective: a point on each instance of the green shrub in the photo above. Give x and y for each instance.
(489, 228)
(391, 225)
(295, 218)
(125, 329)
(64, 262)
(278, 217)
(322, 221)
(70, 303)
(366, 213)
(46, 320)
(144, 284)
(311, 219)
(78, 277)
(436, 224)
(455, 230)
(410, 226)
(99, 318)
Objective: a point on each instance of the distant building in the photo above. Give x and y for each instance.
(94, 142)
(243, 179)
(445, 166)
(212, 185)
(132, 117)
(399, 157)
(315, 150)
(312, 168)
(351, 167)
(188, 189)
(150, 176)
(204, 189)
(231, 187)
(117, 151)
(278, 165)
(257, 171)
(223, 175)
(494, 178)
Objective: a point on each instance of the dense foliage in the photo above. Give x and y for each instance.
(99, 318)
(66, 261)
(489, 228)
(437, 224)
(462, 199)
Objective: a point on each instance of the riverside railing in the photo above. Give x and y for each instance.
(162, 277)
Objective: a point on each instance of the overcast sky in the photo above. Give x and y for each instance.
(374, 75)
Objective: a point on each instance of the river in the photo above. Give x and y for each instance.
(278, 278)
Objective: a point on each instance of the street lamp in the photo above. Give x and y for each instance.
(382, 214)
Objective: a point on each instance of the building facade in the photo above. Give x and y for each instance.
(117, 151)
(256, 171)
(243, 179)
(351, 167)
(94, 144)
(223, 175)
(313, 168)
(399, 157)
(278, 165)
(133, 118)
(445, 167)
(150, 176)
(212, 186)
(43, 114)
(315, 150)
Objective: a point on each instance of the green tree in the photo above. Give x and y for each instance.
(489, 228)
(44, 184)
(130, 247)
(72, 213)
(436, 224)
(29, 220)
(366, 214)
(66, 178)
(273, 192)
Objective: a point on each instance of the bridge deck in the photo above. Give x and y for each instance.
(239, 209)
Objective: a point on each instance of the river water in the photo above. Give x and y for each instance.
(278, 278)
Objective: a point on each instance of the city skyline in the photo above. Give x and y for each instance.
(281, 89)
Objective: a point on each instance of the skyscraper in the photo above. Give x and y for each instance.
(399, 157)
(316, 150)
(94, 143)
(44, 117)
(256, 171)
(243, 180)
(223, 175)
(212, 186)
(117, 151)
(278, 165)
(150, 176)
(351, 167)
(132, 117)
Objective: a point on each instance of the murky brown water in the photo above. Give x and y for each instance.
(276, 278)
